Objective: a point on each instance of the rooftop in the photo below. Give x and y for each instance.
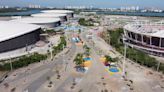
(57, 11)
(36, 20)
(50, 15)
(11, 30)
(151, 29)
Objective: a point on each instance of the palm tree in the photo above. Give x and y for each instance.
(79, 59)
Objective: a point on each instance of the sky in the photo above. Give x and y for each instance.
(95, 3)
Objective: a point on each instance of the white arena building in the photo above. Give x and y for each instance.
(63, 17)
(69, 13)
(148, 37)
(43, 22)
(14, 35)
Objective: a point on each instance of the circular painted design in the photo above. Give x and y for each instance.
(87, 59)
(114, 69)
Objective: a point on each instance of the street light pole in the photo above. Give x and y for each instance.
(63, 54)
(11, 66)
(158, 65)
(124, 60)
(123, 73)
(50, 49)
(51, 53)
(66, 66)
(64, 59)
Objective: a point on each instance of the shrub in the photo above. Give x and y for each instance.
(24, 61)
(59, 47)
(84, 22)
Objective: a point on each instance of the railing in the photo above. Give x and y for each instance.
(146, 47)
(139, 43)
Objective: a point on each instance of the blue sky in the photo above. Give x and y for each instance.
(95, 3)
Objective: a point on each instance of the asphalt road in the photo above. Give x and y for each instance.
(59, 61)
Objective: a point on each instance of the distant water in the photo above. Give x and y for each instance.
(150, 14)
(24, 13)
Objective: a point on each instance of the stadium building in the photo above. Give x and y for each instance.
(43, 22)
(63, 17)
(70, 14)
(14, 35)
(148, 37)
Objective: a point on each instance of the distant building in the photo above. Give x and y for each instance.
(87, 13)
(4, 7)
(34, 6)
(131, 8)
(70, 14)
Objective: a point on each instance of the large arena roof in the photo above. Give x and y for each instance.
(57, 11)
(36, 20)
(50, 15)
(9, 30)
(156, 30)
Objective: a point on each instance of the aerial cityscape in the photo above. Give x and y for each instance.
(81, 46)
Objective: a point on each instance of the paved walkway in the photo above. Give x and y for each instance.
(97, 78)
